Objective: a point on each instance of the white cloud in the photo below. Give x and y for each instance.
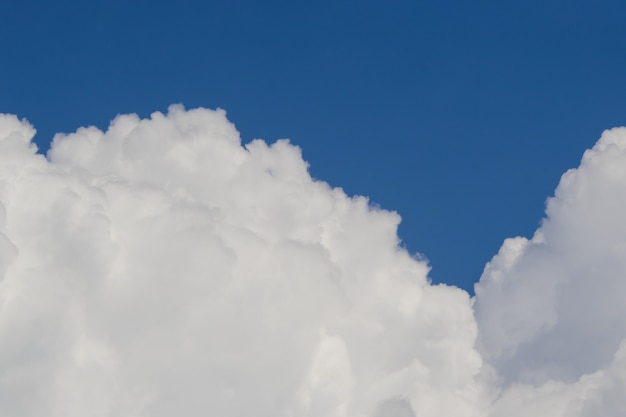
(551, 309)
(161, 268)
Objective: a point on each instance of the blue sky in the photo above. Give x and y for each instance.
(461, 116)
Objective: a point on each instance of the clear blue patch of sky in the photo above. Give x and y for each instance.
(459, 115)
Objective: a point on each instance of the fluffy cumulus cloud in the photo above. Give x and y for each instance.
(164, 268)
(551, 309)
(161, 268)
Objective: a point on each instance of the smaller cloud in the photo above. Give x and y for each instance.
(550, 310)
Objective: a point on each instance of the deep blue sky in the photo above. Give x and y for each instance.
(459, 115)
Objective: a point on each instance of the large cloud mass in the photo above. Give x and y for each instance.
(161, 268)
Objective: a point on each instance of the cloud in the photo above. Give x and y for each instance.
(163, 268)
(551, 309)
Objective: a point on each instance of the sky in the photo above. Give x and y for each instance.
(459, 116)
(341, 209)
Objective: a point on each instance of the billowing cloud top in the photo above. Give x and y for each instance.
(161, 268)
